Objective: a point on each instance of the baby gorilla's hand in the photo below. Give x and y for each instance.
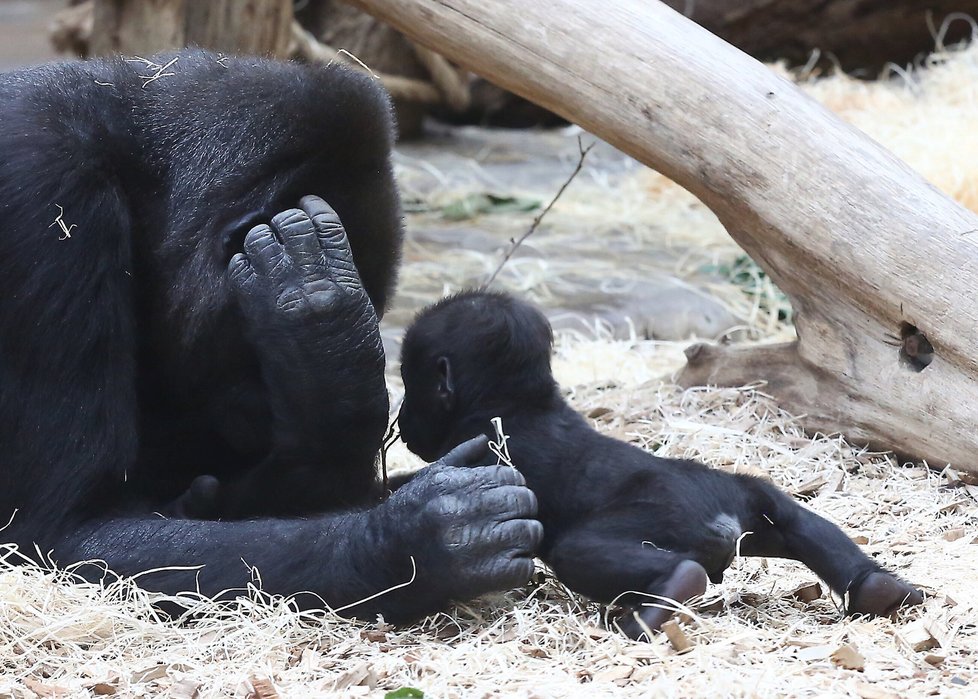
(471, 529)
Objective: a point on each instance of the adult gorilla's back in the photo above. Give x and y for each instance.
(133, 362)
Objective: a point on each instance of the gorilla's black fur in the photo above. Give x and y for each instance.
(161, 334)
(616, 519)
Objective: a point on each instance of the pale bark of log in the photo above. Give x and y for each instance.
(860, 242)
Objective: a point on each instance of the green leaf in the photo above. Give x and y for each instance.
(405, 693)
(473, 205)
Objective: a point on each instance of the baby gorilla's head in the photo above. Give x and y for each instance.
(466, 359)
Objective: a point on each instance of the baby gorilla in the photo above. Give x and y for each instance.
(616, 519)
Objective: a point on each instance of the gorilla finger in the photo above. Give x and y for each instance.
(266, 254)
(506, 502)
(333, 241)
(467, 453)
(498, 475)
(240, 271)
(520, 537)
(300, 239)
(507, 573)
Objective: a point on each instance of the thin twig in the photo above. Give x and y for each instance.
(393, 434)
(500, 447)
(536, 222)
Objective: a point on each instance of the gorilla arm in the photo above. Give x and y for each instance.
(451, 533)
(317, 337)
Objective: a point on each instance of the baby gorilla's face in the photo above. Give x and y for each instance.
(422, 419)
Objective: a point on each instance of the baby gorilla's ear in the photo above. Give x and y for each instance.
(446, 387)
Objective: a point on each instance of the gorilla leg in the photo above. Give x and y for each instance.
(606, 558)
(783, 528)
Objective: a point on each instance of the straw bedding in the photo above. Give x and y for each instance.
(754, 634)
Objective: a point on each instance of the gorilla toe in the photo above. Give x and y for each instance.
(687, 581)
(881, 594)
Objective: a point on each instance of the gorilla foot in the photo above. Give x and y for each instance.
(688, 580)
(882, 594)
(199, 502)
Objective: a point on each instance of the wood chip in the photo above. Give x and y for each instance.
(597, 633)
(833, 484)
(613, 673)
(103, 689)
(860, 539)
(935, 658)
(807, 593)
(871, 691)
(917, 636)
(534, 651)
(967, 477)
(149, 674)
(810, 487)
(184, 689)
(677, 637)
(939, 632)
(956, 533)
(712, 607)
(263, 688)
(814, 653)
(46, 690)
(848, 657)
(595, 413)
(357, 675)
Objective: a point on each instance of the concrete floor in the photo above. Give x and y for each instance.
(24, 31)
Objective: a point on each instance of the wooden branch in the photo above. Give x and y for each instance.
(861, 243)
(309, 48)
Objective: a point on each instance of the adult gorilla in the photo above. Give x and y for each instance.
(153, 334)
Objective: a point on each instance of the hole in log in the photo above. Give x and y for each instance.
(916, 350)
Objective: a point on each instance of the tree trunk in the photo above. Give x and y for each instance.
(241, 26)
(142, 27)
(871, 255)
(860, 34)
(138, 27)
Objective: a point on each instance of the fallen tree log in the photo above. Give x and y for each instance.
(870, 254)
(859, 35)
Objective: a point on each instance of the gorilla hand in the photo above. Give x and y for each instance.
(470, 530)
(315, 333)
(298, 275)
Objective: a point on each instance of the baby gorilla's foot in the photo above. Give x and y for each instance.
(688, 580)
(882, 594)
